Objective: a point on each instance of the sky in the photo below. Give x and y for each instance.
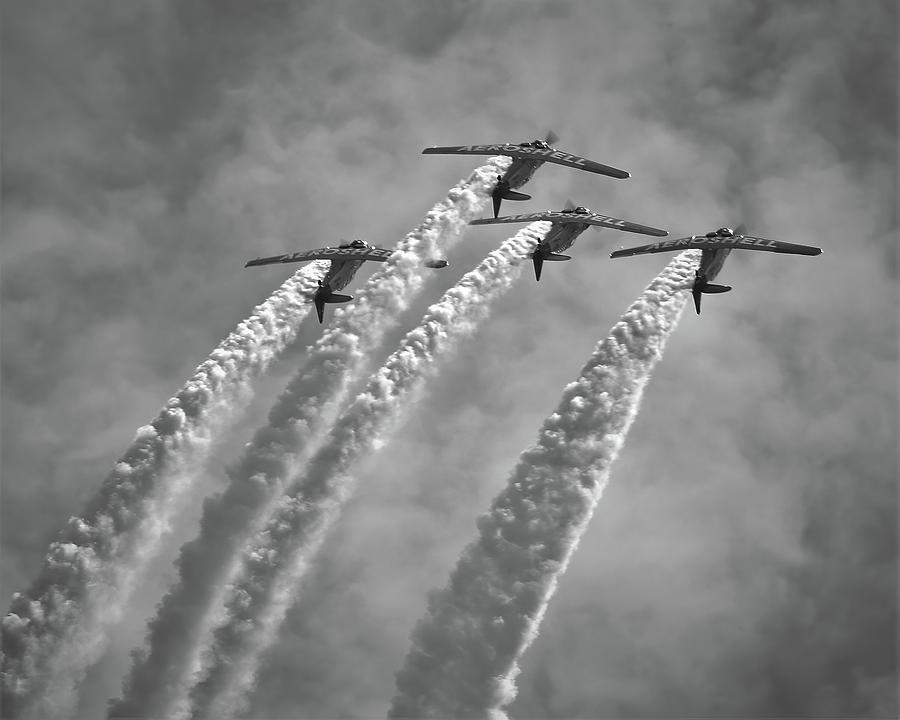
(743, 559)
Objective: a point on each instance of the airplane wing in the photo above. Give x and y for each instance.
(744, 242)
(616, 224)
(376, 254)
(531, 153)
(561, 218)
(527, 217)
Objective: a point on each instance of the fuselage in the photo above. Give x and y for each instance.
(341, 272)
(712, 259)
(561, 236)
(520, 172)
(711, 263)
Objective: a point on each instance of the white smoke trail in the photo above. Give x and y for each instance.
(465, 651)
(277, 560)
(56, 630)
(161, 675)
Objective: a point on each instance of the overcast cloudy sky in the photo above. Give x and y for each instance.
(743, 561)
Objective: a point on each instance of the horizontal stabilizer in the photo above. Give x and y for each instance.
(513, 195)
(709, 289)
(335, 298)
(552, 257)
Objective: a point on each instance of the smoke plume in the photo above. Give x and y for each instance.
(274, 565)
(162, 673)
(465, 652)
(57, 630)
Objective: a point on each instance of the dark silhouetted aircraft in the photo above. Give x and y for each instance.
(527, 157)
(567, 225)
(716, 246)
(345, 259)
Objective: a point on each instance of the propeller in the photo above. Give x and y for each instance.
(551, 138)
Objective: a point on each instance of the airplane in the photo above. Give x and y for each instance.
(568, 224)
(345, 259)
(527, 157)
(716, 246)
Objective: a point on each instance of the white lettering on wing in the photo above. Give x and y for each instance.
(523, 150)
(759, 242)
(608, 220)
(483, 148)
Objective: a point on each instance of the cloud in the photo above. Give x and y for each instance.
(150, 150)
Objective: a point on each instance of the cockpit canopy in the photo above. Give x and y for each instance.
(725, 232)
(535, 144)
(360, 244)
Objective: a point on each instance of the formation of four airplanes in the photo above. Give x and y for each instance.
(566, 226)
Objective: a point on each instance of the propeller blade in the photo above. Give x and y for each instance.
(551, 138)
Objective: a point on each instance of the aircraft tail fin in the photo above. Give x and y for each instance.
(701, 287)
(324, 296)
(497, 195)
(503, 192)
(538, 259)
(320, 308)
